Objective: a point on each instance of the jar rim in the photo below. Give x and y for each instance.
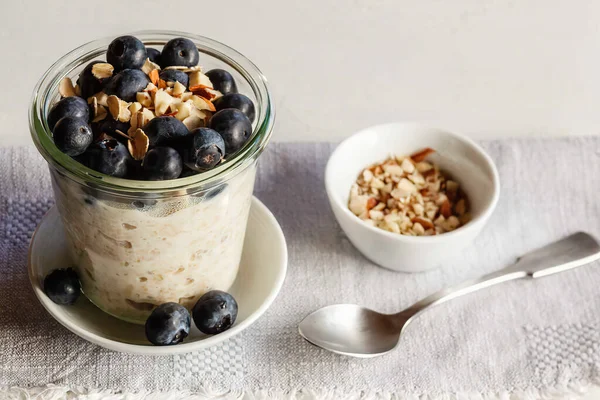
(47, 87)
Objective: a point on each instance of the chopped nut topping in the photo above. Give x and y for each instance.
(153, 75)
(98, 111)
(206, 92)
(66, 88)
(162, 101)
(134, 107)
(144, 98)
(198, 79)
(192, 122)
(118, 108)
(102, 70)
(177, 67)
(138, 145)
(101, 98)
(421, 155)
(178, 89)
(409, 197)
(149, 66)
(202, 104)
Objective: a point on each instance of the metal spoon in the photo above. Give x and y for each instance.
(357, 331)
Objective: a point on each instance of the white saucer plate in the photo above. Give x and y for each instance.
(261, 275)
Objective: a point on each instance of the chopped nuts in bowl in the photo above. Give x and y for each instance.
(404, 205)
(410, 196)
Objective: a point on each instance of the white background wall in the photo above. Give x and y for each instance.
(490, 68)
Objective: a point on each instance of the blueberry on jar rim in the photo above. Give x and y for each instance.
(222, 81)
(238, 101)
(73, 106)
(180, 52)
(234, 127)
(153, 55)
(126, 52)
(204, 150)
(72, 135)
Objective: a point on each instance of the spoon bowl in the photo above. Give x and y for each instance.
(351, 330)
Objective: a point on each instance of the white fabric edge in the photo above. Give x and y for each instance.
(55, 392)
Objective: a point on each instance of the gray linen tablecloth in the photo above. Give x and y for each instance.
(530, 338)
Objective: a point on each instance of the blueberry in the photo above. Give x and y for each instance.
(126, 52)
(88, 83)
(173, 75)
(163, 130)
(108, 126)
(72, 136)
(180, 52)
(239, 101)
(107, 156)
(215, 312)
(62, 286)
(153, 55)
(222, 81)
(162, 163)
(68, 107)
(205, 149)
(234, 127)
(126, 84)
(168, 324)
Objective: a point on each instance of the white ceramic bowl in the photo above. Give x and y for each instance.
(261, 274)
(461, 157)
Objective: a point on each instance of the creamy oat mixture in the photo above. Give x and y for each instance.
(133, 257)
(410, 196)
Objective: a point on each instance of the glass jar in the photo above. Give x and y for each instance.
(137, 244)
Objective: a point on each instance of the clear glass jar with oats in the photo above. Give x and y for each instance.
(137, 244)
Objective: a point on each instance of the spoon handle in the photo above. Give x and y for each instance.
(571, 252)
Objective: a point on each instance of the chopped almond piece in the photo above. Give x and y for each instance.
(135, 107)
(446, 209)
(138, 145)
(202, 104)
(118, 108)
(66, 88)
(101, 98)
(144, 98)
(153, 75)
(162, 101)
(198, 79)
(421, 155)
(206, 92)
(102, 70)
(192, 122)
(178, 89)
(149, 66)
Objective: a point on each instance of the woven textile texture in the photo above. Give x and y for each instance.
(524, 336)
